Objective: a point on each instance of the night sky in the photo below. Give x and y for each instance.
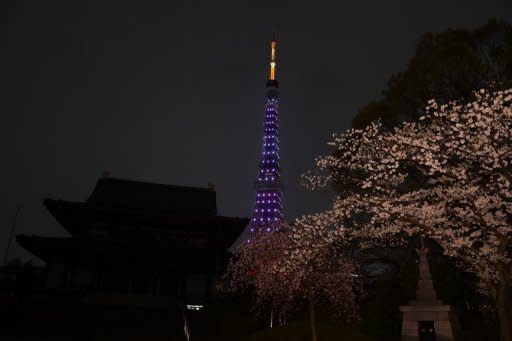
(173, 92)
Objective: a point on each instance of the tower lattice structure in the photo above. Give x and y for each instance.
(268, 210)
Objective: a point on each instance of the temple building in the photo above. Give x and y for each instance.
(137, 238)
(268, 208)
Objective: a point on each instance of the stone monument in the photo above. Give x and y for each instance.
(426, 318)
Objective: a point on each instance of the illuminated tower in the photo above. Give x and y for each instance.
(268, 211)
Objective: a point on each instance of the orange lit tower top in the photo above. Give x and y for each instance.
(273, 46)
(272, 81)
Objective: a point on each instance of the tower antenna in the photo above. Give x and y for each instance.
(273, 47)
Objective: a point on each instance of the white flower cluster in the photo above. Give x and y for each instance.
(447, 176)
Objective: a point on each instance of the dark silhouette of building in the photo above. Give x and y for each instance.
(138, 239)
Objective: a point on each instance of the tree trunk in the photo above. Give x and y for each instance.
(312, 318)
(504, 306)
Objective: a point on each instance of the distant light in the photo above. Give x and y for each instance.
(194, 307)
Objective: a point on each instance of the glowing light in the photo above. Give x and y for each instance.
(195, 307)
(273, 46)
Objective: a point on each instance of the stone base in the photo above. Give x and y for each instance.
(439, 314)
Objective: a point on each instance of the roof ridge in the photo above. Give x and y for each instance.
(107, 179)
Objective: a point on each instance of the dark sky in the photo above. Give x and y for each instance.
(173, 91)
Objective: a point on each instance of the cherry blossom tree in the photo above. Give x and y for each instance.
(446, 176)
(282, 273)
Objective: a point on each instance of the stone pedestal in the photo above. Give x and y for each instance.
(438, 314)
(426, 318)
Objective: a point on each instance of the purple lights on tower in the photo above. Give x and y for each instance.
(268, 211)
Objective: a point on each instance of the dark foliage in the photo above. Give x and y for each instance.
(445, 66)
